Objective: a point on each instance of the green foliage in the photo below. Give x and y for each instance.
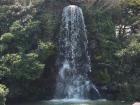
(3, 93)
(16, 27)
(3, 47)
(25, 35)
(104, 77)
(48, 21)
(133, 49)
(23, 66)
(115, 59)
(134, 2)
(24, 47)
(4, 71)
(3, 90)
(7, 37)
(44, 50)
(129, 17)
(101, 33)
(106, 35)
(49, 24)
(4, 20)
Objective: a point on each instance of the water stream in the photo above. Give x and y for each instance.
(73, 60)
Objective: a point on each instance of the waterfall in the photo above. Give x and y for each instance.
(73, 61)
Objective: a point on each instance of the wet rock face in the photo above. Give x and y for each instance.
(76, 2)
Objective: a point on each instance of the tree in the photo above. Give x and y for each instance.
(22, 66)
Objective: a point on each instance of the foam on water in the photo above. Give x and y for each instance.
(76, 101)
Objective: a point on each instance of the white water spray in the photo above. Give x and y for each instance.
(73, 61)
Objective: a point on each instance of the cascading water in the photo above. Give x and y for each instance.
(73, 61)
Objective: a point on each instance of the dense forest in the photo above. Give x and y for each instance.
(29, 43)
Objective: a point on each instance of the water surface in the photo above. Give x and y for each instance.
(73, 102)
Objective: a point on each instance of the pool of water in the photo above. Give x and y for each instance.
(76, 102)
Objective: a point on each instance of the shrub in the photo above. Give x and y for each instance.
(7, 37)
(23, 66)
(3, 93)
(45, 49)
